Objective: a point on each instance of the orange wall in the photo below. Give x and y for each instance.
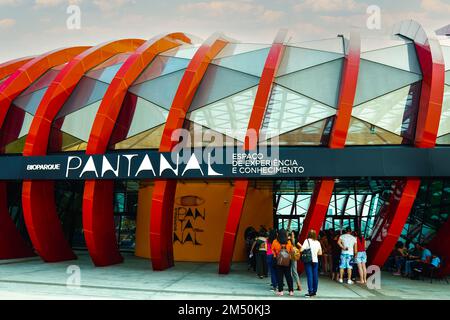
(211, 200)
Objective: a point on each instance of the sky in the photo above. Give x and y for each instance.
(31, 27)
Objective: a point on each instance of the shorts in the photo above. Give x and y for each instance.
(361, 257)
(346, 261)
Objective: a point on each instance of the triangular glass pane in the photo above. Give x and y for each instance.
(202, 136)
(43, 82)
(146, 116)
(288, 110)
(403, 57)
(250, 62)
(87, 92)
(363, 133)
(321, 82)
(79, 123)
(447, 77)
(444, 125)
(117, 59)
(295, 59)
(161, 90)
(183, 51)
(370, 44)
(16, 125)
(150, 139)
(30, 102)
(27, 120)
(218, 83)
(233, 49)
(16, 146)
(443, 140)
(315, 134)
(61, 141)
(331, 45)
(375, 80)
(160, 66)
(229, 116)
(106, 74)
(395, 111)
(446, 54)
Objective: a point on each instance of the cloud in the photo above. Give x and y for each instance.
(233, 8)
(7, 23)
(110, 5)
(328, 6)
(435, 6)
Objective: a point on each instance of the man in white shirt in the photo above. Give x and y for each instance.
(348, 244)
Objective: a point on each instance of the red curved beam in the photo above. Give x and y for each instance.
(323, 189)
(390, 223)
(98, 212)
(22, 73)
(251, 141)
(161, 217)
(39, 208)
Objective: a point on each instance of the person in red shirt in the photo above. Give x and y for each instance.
(361, 258)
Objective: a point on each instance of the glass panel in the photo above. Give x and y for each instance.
(395, 112)
(333, 45)
(321, 83)
(229, 116)
(363, 133)
(16, 125)
(87, 92)
(149, 139)
(146, 116)
(202, 137)
(444, 125)
(288, 110)
(403, 57)
(250, 62)
(446, 54)
(43, 82)
(375, 80)
(314, 135)
(30, 102)
(219, 83)
(183, 51)
(239, 48)
(295, 59)
(161, 90)
(117, 59)
(106, 74)
(79, 123)
(371, 44)
(160, 66)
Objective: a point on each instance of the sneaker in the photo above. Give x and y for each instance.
(396, 274)
(350, 282)
(309, 295)
(280, 293)
(291, 293)
(340, 281)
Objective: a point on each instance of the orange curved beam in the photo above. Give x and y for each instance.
(9, 67)
(251, 141)
(161, 217)
(38, 202)
(392, 218)
(323, 189)
(22, 73)
(98, 213)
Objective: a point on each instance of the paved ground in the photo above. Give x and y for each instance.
(134, 279)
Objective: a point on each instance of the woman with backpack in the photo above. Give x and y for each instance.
(260, 249)
(294, 258)
(282, 249)
(311, 249)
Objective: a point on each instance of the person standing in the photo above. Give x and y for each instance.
(294, 272)
(312, 267)
(282, 247)
(270, 260)
(348, 244)
(335, 255)
(260, 249)
(361, 258)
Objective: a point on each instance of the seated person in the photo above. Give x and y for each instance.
(400, 256)
(425, 256)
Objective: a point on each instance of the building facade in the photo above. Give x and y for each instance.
(349, 95)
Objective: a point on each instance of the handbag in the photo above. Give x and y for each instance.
(307, 254)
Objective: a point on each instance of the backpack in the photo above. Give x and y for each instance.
(307, 254)
(260, 244)
(283, 258)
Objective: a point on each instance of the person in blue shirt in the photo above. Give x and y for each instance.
(436, 261)
(425, 257)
